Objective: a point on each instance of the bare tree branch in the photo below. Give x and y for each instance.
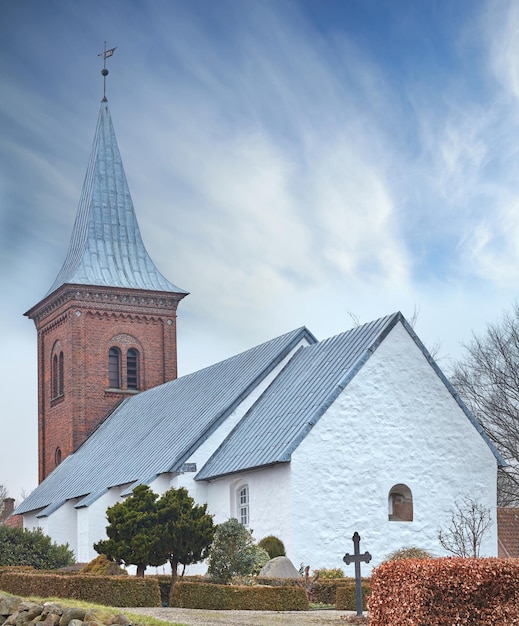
(487, 379)
(469, 523)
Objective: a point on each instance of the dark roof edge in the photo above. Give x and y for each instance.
(499, 458)
(241, 471)
(299, 335)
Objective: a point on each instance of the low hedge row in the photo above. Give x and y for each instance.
(324, 591)
(227, 597)
(108, 590)
(446, 591)
(346, 597)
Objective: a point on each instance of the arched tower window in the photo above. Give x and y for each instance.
(57, 374)
(400, 504)
(242, 504)
(61, 374)
(54, 376)
(132, 369)
(57, 456)
(114, 368)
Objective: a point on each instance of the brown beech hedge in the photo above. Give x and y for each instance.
(444, 592)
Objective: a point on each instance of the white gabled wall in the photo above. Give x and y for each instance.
(395, 422)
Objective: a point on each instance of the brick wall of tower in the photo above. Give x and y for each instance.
(84, 323)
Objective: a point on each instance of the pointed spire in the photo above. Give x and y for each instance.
(106, 248)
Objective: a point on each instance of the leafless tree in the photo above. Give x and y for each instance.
(469, 523)
(3, 495)
(487, 379)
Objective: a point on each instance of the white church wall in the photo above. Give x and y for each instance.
(269, 504)
(92, 522)
(62, 526)
(394, 423)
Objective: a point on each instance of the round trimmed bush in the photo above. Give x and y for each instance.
(273, 546)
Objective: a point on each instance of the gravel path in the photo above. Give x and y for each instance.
(203, 617)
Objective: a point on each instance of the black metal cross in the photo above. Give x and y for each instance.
(356, 558)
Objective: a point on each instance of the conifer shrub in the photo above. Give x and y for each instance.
(103, 566)
(273, 546)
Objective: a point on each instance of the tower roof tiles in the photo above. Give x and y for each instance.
(106, 247)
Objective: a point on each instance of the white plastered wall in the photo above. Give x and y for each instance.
(395, 422)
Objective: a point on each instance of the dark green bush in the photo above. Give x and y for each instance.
(107, 590)
(19, 546)
(233, 597)
(273, 546)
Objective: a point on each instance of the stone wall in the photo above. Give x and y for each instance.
(15, 611)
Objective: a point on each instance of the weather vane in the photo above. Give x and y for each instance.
(104, 71)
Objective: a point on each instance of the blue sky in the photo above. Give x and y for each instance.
(291, 163)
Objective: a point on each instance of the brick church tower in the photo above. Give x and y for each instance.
(107, 326)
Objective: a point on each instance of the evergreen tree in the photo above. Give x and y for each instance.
(186, 530)
(132, 531)
(148, 530)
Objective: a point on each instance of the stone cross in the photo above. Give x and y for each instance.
(356, 558)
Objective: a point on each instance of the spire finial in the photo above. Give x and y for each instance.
(104, 71)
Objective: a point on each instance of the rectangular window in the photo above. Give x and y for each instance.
(243, 505)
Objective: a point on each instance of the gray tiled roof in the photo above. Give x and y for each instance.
(287, 411)
(295, 400)
(106, 247)
(155, 431)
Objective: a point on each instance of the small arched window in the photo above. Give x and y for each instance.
(242, 504)
(61, 374)
(54, 376)
(132, 369)
(57, 456)
(114, 368)
(57, 375)
(400, 504)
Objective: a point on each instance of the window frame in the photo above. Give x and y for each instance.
(114, 367)
(243, 504)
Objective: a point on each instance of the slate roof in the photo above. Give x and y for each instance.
(106, 248)
(155, 431)
(301, 394)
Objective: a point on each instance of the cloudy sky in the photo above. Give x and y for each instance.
(310, 162)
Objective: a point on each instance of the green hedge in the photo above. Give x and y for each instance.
(346, 597)
(108, 590)
(227, 597)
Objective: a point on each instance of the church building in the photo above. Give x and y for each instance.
(307, 440)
